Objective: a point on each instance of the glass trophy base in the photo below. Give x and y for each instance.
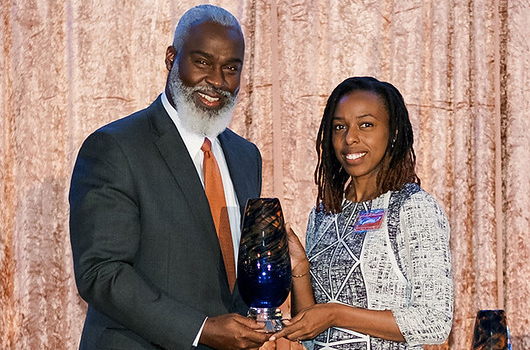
(272, 317)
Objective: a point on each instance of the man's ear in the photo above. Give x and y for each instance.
(171, 54)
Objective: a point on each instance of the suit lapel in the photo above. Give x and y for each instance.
(236, 167)
(177, 158)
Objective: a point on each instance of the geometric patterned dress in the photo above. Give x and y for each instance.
(363, 257)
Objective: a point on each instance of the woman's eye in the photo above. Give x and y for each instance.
(338, 127)
(366, 125)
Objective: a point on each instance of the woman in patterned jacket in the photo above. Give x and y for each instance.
(376, 272)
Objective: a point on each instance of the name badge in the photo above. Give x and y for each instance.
(370, 220)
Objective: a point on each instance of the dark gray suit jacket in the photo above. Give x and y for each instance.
(146, 256)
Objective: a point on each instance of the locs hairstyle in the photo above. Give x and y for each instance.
(398, 163)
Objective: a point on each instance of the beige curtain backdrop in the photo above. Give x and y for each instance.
(463, 67)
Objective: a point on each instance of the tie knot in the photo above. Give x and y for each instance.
(207, 145)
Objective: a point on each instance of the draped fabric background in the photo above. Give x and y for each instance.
(463, 68)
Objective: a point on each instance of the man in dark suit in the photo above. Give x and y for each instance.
(146, 254)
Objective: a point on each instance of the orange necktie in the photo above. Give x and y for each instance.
(213, 186)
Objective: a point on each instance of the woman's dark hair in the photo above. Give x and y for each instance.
(399, 161)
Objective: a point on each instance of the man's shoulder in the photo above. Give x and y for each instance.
(229, 136)
(133, 123)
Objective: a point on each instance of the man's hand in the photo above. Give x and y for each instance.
(233, 331)
(282, 344)
(269, 345)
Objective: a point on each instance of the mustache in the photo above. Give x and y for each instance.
(211, 89)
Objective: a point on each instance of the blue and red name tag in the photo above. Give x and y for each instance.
(369, 220)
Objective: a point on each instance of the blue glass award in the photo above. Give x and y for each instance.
(264, 266)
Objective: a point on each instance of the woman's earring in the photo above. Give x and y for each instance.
(394, 140)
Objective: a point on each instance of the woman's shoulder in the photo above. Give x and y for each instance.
(412, 198)
(318, 220)
(413, 193)
(317, 215)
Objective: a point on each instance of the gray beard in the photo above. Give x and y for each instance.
(194, 118)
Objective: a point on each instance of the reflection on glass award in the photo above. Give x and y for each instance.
(264, 266)
(491, 331)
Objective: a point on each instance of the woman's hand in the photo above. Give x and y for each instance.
(311, 321)
(301, 290)
(299, 262)
(308, 323)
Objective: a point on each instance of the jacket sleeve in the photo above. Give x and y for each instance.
(427, 264)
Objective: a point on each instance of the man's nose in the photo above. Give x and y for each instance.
(216, 77)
